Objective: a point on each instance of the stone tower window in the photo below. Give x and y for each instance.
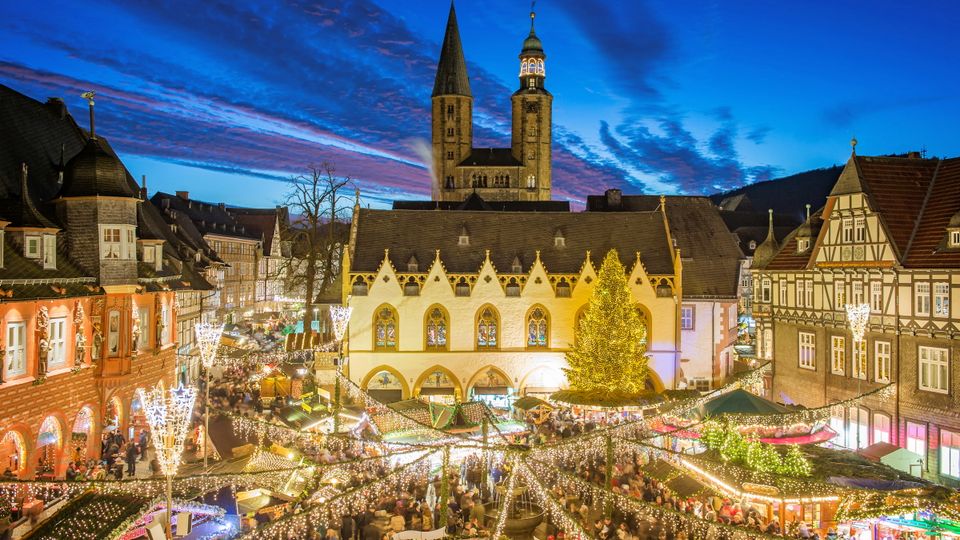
(450, 112)
(449, 154)
(449, 184)
(531, 181)
(449, 132)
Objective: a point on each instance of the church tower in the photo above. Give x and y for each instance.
(532, 116)
(452, 110)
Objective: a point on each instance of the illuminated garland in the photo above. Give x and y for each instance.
(806, 416)
(696, 527)
(505, 504)
(347, 502)
(553, 508)
(135, 526)
(871, 505)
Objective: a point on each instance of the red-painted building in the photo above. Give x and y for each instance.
(88, 280)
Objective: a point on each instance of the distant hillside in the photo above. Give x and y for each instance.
(789, 194)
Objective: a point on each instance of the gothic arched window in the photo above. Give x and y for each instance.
(537, 327)
(435, 329)
(488, 326)
(385, 329)
(531, 181)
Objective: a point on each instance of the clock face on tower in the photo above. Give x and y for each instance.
(533, 107)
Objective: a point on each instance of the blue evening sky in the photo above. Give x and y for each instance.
(229, 99)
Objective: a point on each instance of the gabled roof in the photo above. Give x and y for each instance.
(509, 235)
(475, 202)
(262, 221)
(208, 218)
(452, 76)
(709, 252)
(787, 257)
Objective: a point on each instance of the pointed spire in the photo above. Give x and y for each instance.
(452, 78)
(770, 234)
(808, 212)
(853, 146)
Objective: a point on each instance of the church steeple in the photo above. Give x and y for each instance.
(532, 58)
(452, 76)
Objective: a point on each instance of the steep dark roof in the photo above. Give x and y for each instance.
(532, 46)
(95, 171)
(491, 157)
(452, 76)
(22, 211)
(929, 249)
(787, 257)
(788, 195)
(510, 235)
(208, 218)
(262, 221)
(708, 251)
(758, 234)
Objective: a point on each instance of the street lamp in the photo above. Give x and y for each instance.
(858, 316)
(168, 414)
(339, 317)
(208, 340)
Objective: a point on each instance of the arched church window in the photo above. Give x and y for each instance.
(359, 287)
(642, 315)
(563, 289)
(436, 329)
(462, 288)
(531, 181)
(411, 287)
(537, 326)
(385, 326)
(488, 325)
(513, 288)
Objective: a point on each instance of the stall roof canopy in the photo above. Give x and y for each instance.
(740, 401)
(528, 403)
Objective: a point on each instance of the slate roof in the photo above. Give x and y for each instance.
(95, 171)
(708, 251)
(207, 218)
(47, 138)
(758, 234)
(491, 157)
(510, 235)
(452, 75)
(262, 221)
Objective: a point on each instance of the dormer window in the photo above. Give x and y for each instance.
(954, 238)
(413, 265)
(753, 245)
(464, 238)
(31, 247)
(516, 267)
(803, 244)
(149, 255)
(558, 239)
(118, 242)
(50, 251)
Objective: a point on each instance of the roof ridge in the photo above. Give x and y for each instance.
(923, 208)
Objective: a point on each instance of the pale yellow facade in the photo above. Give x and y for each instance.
(525, 369)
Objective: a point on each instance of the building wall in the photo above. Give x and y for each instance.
(411, 359)
(28, 400)
(707, 348)
(238, 294)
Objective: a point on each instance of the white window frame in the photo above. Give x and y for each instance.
(113, 333)
(687, 317)
(882, 424)
(149, 255)
(784, 298)
(881, 361)
(32, 246)
(858, 367)
(808, 294)
(800, 292)
(856, 293)
(858, 428)
(807, 350)
(917, 439)
(57, 343)
(922, 297)
(144, 315)
(765, 292)
(860, 229)
(933, 364)
(165, 313)
(15, 361)
(803, 244)
(838, 355)
(123, 248)
(50, 251)
(847, 226)
(840, 294)
(949, 453)
(876, 296)
(955, 238)
(941, 299)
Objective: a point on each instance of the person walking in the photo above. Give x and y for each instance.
(131, 459)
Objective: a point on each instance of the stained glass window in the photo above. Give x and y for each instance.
(386, 328)
(436, 329)
(537, 328)
(487, 329)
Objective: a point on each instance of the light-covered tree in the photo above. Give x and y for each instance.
(609, 354)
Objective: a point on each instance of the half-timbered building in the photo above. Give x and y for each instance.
(888, 237)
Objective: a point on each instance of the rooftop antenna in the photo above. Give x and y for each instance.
(923, 151)
(88, 95)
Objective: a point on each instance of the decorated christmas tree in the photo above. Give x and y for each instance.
(608, 355)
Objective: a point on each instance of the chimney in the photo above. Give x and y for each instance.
(185, 195)
(913, 155)
(57, 107)
(222, 206)
(614, 199)
(143, 188)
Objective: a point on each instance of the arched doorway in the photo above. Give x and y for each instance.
(543, 381)
(49, 447)
(491, 386)
(138, 420)
(438, 385)
(13, 453)
(385, 385)
(82, 435)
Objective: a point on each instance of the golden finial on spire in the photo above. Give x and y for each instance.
(853, 145)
